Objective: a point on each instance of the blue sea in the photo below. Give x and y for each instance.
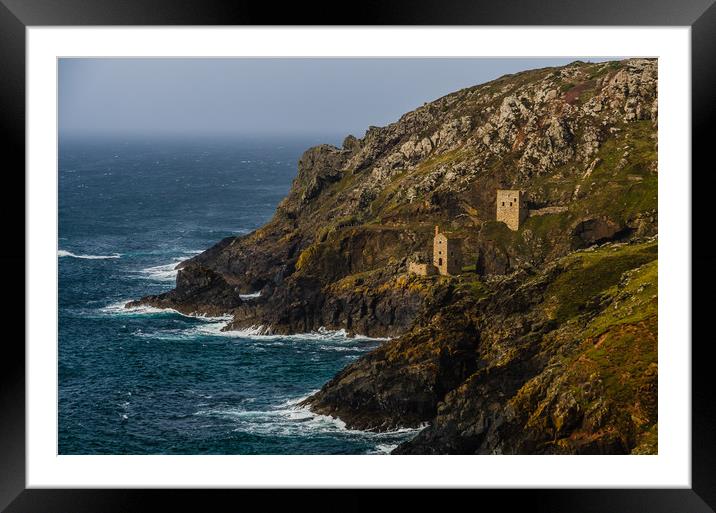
(149, 381)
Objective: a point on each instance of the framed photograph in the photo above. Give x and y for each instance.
(422, 251)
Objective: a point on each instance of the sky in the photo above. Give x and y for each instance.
(260, 96)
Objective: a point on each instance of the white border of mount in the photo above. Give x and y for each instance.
(671, 468)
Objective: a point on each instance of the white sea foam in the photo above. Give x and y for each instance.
(214, 329)
(167, 272)
(164, 272)
(263, 333)
(253, 295)
(337, 348)
(323, 339)
(290, 419)
(62, 253)
(119, 308)
(295, 401)
(213, 326)
(384, 448)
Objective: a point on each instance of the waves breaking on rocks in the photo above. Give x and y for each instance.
(63, 253)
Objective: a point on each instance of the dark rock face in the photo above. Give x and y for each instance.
(385, 391)
(319, 167)
(198, 290)
(595, 231)
(492, 259)
(369, 313)
(491, 359)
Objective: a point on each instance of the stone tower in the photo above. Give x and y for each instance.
(447, 253)
(511, 208)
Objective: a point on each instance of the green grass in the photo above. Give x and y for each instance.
(474, 288)
(623, 355)
(337, 225)
(588, 274)
(306, 256)
(599, 70)
(640, 291)
(547, 224)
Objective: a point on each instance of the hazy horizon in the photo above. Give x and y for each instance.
(259, 97)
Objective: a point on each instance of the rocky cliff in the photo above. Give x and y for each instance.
(553, 360)
(500, 358)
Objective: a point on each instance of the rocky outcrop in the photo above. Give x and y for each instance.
(198, 291)
(358, 304)
(401, 383)
(597, 230)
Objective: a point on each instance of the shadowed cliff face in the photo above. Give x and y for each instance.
(581, 137)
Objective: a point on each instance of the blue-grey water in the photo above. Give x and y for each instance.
(147, 381)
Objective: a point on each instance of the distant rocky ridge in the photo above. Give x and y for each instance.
(580, 140)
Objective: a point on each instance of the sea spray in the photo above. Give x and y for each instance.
(63, 253)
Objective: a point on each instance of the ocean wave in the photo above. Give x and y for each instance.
(327, 347)
(164, 272)
(253, 295)
(167, 272)
(63, 253)
(290, 419)
(213, 327)
(384, 448)
(295, 401)
(119, 308)
(263, 333)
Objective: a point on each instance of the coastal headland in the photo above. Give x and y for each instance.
(545, 340)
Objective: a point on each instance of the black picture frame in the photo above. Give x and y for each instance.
(17, 15)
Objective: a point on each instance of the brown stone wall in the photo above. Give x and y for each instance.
(421, 269)
(454, 263)
(547, 210)
(511, 208)
(447, 254)
(440, 253)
